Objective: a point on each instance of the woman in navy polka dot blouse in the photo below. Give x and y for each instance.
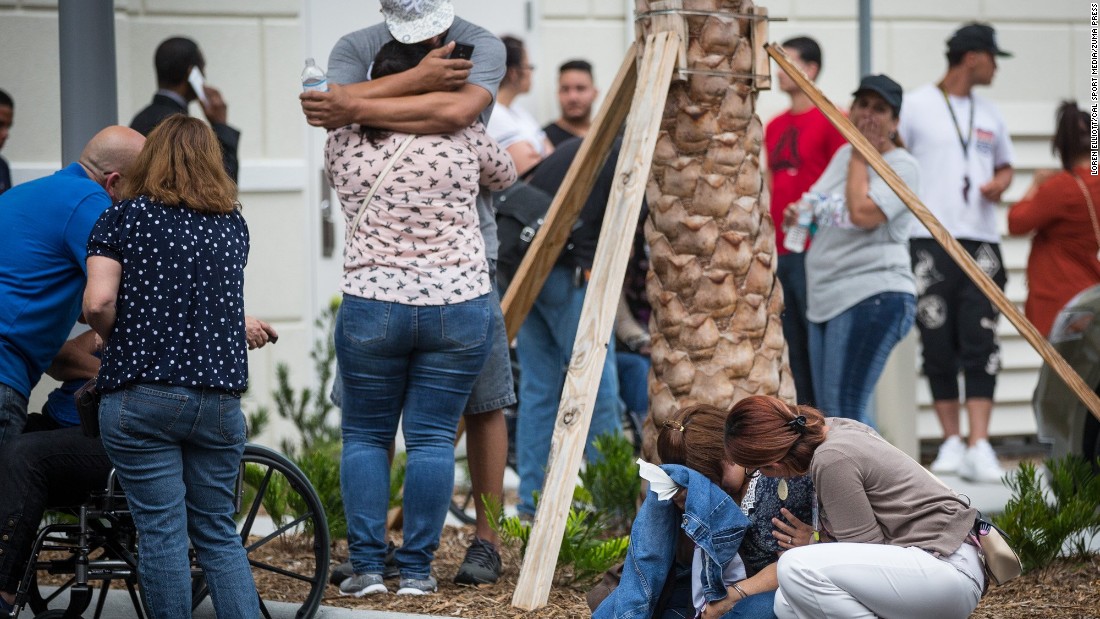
(166, 294)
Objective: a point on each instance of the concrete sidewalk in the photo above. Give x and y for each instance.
(118, 606)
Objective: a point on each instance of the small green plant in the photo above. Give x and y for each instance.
(397, 477)
(1042, 524)
(585, 551)
(602, 511)
(316, 449)
(611, 484)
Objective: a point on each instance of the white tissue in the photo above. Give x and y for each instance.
(659, 481)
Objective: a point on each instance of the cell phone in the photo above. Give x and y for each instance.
(462, 51)
(196, 80)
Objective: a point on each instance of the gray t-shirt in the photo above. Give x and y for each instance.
(847, 264)
(351, 58)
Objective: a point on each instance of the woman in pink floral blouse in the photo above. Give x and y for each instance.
(413, 328)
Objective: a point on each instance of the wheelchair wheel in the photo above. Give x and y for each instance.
(111, 558)
(283, 527)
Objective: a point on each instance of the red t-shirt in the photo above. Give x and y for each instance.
(1063, 257)
(799, 147)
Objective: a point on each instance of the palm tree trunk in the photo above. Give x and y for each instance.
(717, 335)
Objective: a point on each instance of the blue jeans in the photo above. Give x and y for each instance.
(849, 351)
(791, 271)
(414, 364)
(13, 412)
(545, 347)
(177, 451)
(633, 372)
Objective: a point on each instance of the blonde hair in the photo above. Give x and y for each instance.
(181, 165)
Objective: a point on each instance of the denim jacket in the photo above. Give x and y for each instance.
(712, 520)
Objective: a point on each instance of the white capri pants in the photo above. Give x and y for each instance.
(852, 581)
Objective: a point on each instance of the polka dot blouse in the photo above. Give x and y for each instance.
(180, 308)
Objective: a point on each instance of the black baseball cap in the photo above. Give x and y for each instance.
(884, 87)
(975, 37)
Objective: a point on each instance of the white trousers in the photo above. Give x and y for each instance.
(846, 580)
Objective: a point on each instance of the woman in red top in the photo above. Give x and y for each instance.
(1061, 209)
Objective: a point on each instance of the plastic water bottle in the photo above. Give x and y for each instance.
(313, 78)
(797, 236)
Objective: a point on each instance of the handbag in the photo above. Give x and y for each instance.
(1000, 561)
(87, 408)
(377, 184)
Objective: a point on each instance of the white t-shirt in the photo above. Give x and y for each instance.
(932, 137)
(511, 124)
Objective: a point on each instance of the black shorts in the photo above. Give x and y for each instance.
(958, 324)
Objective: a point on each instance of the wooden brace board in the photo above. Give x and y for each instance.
(942, 236)
(597, 316)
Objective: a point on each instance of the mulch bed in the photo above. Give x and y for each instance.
(1065, 590)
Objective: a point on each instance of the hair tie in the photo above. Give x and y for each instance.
(674, 425)
(798, 424)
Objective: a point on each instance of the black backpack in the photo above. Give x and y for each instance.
(521, 210)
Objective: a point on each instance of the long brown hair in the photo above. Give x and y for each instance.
(693, 438)
(181, 165)
(762, 430)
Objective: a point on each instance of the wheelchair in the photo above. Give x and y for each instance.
(277, 510)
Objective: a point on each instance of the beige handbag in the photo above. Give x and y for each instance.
(1001, 562)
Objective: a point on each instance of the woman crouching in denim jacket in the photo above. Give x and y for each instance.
(711, 553)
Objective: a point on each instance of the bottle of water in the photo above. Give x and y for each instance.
(799, 235)
(313, 78)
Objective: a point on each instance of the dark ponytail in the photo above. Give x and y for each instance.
(1071, 134)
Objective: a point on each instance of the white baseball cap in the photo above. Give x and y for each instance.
(413, 21)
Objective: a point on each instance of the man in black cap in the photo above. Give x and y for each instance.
(963, 146)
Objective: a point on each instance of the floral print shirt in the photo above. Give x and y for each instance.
(418, 242)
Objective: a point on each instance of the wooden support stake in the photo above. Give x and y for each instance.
(570, 199)
(942, 236)
(597, 315)
(761, 65)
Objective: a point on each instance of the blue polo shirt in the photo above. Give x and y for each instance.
(44, 227)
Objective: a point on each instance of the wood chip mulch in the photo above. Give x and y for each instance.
(1068, 589)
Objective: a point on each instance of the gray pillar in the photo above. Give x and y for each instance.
(864, 38)
(89, 90)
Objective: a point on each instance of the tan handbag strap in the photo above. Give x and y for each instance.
(378, 183)
(1092, 208)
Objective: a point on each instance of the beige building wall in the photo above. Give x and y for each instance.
(254, 50)
(253, 53)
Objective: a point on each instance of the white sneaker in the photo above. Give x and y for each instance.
(950, 456)
(980, 464)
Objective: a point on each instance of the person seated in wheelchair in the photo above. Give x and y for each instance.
(53, 463)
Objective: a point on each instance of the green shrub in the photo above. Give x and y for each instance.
(1042, 523)
(612, 485)
(316, 449)
(602, 511)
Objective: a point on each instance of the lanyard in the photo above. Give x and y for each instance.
(964, 142)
